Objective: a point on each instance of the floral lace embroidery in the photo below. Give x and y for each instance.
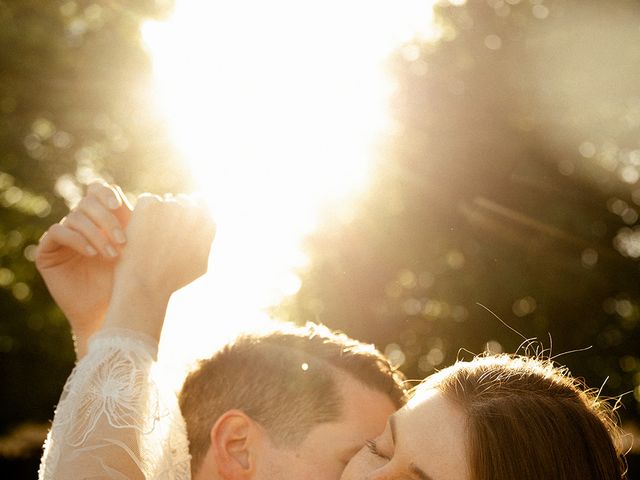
(114, 420)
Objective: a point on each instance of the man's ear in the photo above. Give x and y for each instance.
(233, 442)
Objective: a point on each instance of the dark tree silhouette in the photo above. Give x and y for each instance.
(509, 180)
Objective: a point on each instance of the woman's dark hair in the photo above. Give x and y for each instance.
(528, 419)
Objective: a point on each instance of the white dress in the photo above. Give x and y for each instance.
(113, 419)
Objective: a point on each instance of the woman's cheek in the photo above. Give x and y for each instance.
(362, 465)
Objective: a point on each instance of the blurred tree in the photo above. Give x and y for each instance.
(509, 180)
(75, 105)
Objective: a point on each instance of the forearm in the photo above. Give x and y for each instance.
(132, 306)
(136, 308)
(108, 405)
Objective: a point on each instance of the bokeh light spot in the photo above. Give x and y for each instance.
(589, 257)
(6, 277)
(455, 259)
(394, 353)
(629, 174)
(273, 130)
(493, 347)
(587, 149)
(30, 252)
(21, 291)
(524, 306)
(540, 11)
(493, 42)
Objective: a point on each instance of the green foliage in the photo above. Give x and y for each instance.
(75, 105)
(509, 181)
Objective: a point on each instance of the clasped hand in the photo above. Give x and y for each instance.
(105, 253)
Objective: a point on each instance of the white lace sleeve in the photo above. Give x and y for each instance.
(114, 420)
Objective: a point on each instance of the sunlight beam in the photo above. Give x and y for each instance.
(276, 107)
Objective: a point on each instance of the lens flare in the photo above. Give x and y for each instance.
(276, 106)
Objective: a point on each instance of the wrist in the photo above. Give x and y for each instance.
(128, 283)
(137, 308)
(81, 337)
(80, 343)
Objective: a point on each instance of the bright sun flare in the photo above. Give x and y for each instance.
(276, 106)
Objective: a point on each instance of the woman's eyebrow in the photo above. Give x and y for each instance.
(413, 468)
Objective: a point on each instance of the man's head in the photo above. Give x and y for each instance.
(293, 403)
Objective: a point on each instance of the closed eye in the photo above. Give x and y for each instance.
(372, 446)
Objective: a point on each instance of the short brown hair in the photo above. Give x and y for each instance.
(285, 380)
(528, 419)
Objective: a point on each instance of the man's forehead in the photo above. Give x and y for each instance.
(352, 388)
(363, 408)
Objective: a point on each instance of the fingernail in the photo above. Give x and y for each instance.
(111, 251)
(90, 250)
(113, 204)
(119, 236)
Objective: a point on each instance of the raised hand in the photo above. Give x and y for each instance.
(76, 258)
(168, 244)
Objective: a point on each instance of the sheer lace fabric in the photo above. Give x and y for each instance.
(114, 420)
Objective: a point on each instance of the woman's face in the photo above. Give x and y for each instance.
(425, 440)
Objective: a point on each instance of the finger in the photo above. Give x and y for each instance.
(177, 209)
(184, 199)
(108, 195)
(199, 211)
(196, 203)
(114, 199)
(103, 218)
(123, 197)
(147, 199)
(59, 235)
(147, 204)
(82, 224)
(188, 209)
(126, 209)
